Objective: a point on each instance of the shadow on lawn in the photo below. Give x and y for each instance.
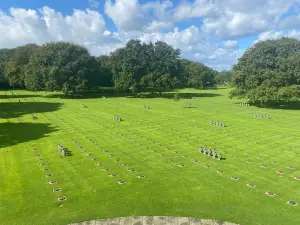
(16, 109)
(111, 93)
(182, 95)
(68, 152)
(15, 133)
(292, 105)
(17, 96)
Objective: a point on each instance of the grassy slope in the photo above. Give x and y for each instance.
(27, 198)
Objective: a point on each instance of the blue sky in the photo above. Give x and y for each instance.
(214, 32)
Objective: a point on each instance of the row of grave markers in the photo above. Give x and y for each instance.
(244, 104)
(217, 123)
(261, 116)
(210, 152)
(37, 153)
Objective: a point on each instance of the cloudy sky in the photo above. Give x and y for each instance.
(214, 32)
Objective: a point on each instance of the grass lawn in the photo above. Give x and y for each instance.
(153, 142)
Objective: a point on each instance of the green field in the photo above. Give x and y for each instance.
(153, 142)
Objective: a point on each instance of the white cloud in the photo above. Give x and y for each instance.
(273, 35)
(294, 34)
(199, 8)
(212, 37)
(130, 15)
(94, 3)
(126, 14)
(234, 18)
(230, 44)
(158, 26)
(290, 22)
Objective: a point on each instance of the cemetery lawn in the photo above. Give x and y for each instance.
(148, 141)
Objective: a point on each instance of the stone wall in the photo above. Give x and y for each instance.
(153, 220)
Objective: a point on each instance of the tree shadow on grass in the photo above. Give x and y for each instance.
(292, 105)
(111, 93)
(107, 93)
(15, 133)
(68, 152)
(16, 109)
(169, 95)
(17, 96)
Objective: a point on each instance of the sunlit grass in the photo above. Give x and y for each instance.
(148, 141)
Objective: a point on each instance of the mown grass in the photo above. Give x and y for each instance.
(167, 128)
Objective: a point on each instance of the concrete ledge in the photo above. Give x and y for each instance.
(154, 220)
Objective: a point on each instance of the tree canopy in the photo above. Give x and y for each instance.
(268, 71)
(17, 60)
(67, 67)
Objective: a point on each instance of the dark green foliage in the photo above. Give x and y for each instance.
(268, 71)
(156, 67)
(59, 66)
(195, 74)
(3, 58)
(223, 77)
(16, 63)
(105, 75)
(69, 68)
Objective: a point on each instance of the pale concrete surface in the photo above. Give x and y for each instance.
(153, 220)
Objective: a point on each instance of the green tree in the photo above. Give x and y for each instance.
(3, 58)
(15, 65)
(59, 66)
(195, 74)
(105, 72)
(268, 71)
(138, 66)
(223, 77)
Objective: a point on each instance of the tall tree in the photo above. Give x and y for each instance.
(140, 65)
(105, 71)
(268, 71)
(59, 66)
(17, 60)
(223, 77)
(195, 74)
(3, 58)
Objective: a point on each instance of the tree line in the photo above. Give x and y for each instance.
(68, 67)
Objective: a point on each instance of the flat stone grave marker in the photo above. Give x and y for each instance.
(270, 193)
(293, 203)
(62, 198)
(56, 189)
(121, 182)
(280, 171)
